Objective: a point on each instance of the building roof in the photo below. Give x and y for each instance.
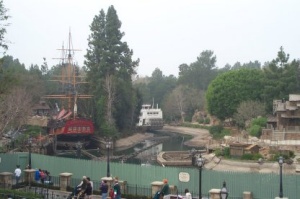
(251, 147)
(294, 97)
(237, 144)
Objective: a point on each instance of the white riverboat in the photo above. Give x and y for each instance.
(151, 118)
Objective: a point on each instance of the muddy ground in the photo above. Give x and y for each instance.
(201, 137)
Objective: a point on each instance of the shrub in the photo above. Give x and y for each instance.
(255, 156)
(206, 121)
(290, 155)
(201, 121)
(260, 121)
(255, 130)
(218, 131)
(19, 194)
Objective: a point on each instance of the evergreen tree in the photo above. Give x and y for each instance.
(110, 67)
(281, 78)
(201, 72)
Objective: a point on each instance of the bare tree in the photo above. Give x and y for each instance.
(181, 100)
(175, 104)
(15, 108)
(248, 110)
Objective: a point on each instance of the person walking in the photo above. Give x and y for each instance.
(18, 173)
(42, 176)
(37, 176)
(188, 195)
(104, 189)
(165, 189)
(111, 193)
(81, 186)
(92, 184)
(117, 189)
(88, 191)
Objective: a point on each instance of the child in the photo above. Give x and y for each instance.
(111, 193)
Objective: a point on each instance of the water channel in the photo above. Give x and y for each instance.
(174, 142)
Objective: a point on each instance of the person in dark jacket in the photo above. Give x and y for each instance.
(88, 190)
(117, 189)
(165, 189)
(80, 187)
(104, 189)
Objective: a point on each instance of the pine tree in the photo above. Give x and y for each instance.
(110, 67)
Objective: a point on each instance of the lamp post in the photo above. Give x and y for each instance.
(280, 161)
(108, 145)
(224, 191)
(200, 163)
(29, 142)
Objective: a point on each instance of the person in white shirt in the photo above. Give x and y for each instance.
(18, 173)
(188, 195)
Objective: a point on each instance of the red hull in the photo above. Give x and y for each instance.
(77, 126)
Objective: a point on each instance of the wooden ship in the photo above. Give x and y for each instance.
(66, 124)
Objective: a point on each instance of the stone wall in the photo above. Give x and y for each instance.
(268, 134)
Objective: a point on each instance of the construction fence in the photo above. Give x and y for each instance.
(139, 178)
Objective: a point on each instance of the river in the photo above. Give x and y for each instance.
(174, 142)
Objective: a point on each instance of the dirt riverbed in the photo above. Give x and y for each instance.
(200, 138)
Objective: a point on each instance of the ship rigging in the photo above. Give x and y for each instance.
(66, 122)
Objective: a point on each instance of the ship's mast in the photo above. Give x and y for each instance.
(68, 80)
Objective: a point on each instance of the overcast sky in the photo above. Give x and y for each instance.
(162, 33)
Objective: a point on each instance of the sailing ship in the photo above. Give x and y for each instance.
(66, 122)
(151, 118)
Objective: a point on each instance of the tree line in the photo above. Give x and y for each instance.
(240, 92)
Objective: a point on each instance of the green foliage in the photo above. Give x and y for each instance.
(201, 121)
(218, 131)
(20, 194)
(159, 86)
(286, 156)
(280, 78)
(34, 131)
(215, 129)
(110, 67)
(255, 130)
(3, 18)
(248, 110)
(206, 120)
(108, 130)
(256, 126)
(10, 71)
(182, 102)
(255, 156)
(200, 73)
(229, 89)
(225, 152)
(260, 121)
